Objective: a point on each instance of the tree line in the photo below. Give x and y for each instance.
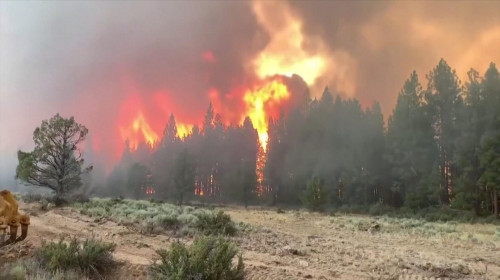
(212, 163)
(440, 147)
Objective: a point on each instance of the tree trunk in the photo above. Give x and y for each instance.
(495, 202)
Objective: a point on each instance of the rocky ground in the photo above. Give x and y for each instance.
(301, 245)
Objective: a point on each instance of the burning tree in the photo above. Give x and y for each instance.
(56, 162)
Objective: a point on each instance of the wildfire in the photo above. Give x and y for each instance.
(141, 131)
(138, 131)
(199, 191)
(259, 104)
(183, 130)
(286, 52)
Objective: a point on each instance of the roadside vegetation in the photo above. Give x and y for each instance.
(88, 259)
(429, 214)
(208, 258)
(159, 217)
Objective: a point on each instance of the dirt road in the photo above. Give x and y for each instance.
(301, 245)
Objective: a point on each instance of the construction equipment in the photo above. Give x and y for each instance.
(10, 217)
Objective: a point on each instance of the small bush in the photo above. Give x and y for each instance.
(91, 257)
(146, 216)
(380, 208)
(78, 198)
(15, 272)
(208, 258)
(30, 269)
(215, 224)
(353, 209)
(315, 196)
(43, 199)
(32, 197)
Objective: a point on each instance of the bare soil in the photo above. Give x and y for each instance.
(297, 245)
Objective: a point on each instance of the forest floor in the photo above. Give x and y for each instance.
(300, 245)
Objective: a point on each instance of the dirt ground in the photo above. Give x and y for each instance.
(301, 245)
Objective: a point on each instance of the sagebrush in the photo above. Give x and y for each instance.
(91, 257)
(208, 258)
(154, 217)
(216, 224)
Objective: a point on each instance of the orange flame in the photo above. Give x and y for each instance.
(259, 103)
(184, 130)
(139, 127)
(286, 52)
(141, 131)
(199, 191)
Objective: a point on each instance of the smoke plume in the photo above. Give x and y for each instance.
(106, 63)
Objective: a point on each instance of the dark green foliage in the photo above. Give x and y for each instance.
(136, 179)
(315, 196)
(208, 258)
(411, 151)
(219, 223)
(91, 257)
(380, 209)
(183, 176)
(490, 163)
(56, 162)
(437, 150)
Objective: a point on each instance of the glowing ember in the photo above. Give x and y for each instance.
(259, 103)
(199, 191)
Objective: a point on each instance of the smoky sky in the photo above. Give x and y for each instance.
(87, 59)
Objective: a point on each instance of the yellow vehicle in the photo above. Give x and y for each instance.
(10, 217)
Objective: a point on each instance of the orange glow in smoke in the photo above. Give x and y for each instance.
(208, 56)
(261, 103)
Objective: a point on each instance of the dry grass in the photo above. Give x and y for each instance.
(300, 245)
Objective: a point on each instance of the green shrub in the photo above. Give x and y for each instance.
(79, 198)
(30, 269)
(91, 257)
(208, 258)
(32, 197)
(215, 224)
(14, 272)
(315, 195)
(353, 209)
(146, 216)
(380, 208)
(445, 214)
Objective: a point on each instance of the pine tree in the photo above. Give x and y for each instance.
(443, 96)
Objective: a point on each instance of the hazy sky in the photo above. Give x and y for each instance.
(100, 60)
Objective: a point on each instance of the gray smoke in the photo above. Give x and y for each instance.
(86, 58)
